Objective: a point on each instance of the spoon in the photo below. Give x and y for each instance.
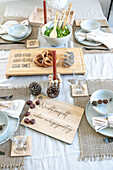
(62, 17)
(53, 34)
(6, 97)
(67, 15)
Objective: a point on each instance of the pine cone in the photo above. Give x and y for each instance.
(53, 91)
(35, 88)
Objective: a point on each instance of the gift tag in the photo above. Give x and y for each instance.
(75, 93)
(32, 43)
(20, 150)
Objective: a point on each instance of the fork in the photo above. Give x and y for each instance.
(6, 97)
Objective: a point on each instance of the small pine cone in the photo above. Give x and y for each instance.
(53, 91)
(35, 88)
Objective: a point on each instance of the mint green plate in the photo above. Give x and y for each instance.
(90, 112)
(3, 120)
(12, 39)
(12, 127)
(85, 42)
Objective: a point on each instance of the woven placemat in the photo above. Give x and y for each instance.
(6, 161)
(32, 36)
(77, 44)
(91, 143)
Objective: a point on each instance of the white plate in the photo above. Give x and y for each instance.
(85, 42)
(13, 125)
(3, 120)
(90, 112)
(12, 39)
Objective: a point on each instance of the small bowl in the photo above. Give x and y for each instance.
(56, 41)
(90, 25)
(103, 109)
(18, 31)
(3, 120)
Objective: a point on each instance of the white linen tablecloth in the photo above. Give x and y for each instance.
(49, 153)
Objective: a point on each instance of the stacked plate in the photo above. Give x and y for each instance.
(102, 109)
(10, 125)
(86, 27)
(17, 32)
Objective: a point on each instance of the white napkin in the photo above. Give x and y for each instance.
(12, 108)
(100, 123)
(104, 38)
(4, 28)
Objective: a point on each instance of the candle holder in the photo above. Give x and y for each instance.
(54, 86)
(20, 142)
(79, 88)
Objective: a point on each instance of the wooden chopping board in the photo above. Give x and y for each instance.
(21, 62)
(55, 118)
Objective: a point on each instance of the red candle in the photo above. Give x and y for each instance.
(54, 66)
(45, 15)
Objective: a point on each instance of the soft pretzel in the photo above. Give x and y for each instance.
(44, 59)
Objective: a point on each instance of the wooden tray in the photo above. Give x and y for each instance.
(37, 17)
(21, 62)
(53, 119)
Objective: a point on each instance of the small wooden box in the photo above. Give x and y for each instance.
(37, 17)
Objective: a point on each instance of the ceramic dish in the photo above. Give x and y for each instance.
(90, 112)
(18, 31)
(3, 120)
(13, 125)
(56, 41)
(103, 94)
(12, 39)
(90, 25)
(86, 42)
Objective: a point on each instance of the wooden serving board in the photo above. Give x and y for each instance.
(21, 62)
(55, 120)
(37, 17)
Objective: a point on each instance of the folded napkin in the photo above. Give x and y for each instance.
(102, 37)
(4, 28)
(100, 123)
(12, 108)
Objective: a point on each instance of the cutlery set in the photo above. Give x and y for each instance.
(53, 34)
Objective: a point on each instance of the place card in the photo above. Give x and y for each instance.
(32, 43)
(55, 118)
(27, 152)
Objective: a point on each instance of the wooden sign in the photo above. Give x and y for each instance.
(32, 43)
(55, 118)
(37, 16)
(21, 62)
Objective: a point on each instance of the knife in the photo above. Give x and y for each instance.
(104, 49)
(2, 153)
(12, 43)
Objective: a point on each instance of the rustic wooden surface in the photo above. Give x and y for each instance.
(37, 17)
(55, 118)
(21, 62)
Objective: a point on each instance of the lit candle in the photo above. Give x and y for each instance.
(54, 66)
(45, 15)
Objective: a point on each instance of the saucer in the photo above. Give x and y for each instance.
(12, 39)
(86, 42)
(90, 112)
